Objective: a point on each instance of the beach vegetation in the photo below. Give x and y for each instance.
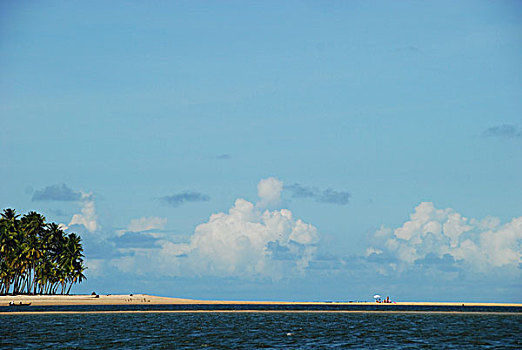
(37, 257)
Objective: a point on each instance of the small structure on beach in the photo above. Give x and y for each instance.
(378, 299)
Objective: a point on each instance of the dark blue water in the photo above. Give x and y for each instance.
(258, 330)
(273, 307)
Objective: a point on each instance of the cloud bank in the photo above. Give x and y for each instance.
(323, 196)
(444, 239)
(57, 193)
(255, 241)
(184, 197)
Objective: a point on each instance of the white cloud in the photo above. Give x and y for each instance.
(269, 190)
(147, 223)
(246, 242)
(431, 232)
(144, 224)
(87, 217)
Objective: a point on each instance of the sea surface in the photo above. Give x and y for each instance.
(195, 327)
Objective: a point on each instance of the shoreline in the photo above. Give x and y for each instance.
(376, 312)
(145, 299)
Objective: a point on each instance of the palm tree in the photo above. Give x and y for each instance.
(73, 262)
(36, 257)
(33, 225)
(10, 215)
(9, 249)
(5, 256)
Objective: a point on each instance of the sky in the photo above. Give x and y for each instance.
(267, 150)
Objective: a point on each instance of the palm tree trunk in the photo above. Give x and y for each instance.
(27, 282)
(69, 289)
(16, 283)
(34, 280)
(22, 287)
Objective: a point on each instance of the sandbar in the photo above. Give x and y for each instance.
(145, 299)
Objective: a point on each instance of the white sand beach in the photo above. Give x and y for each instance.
(145, 299)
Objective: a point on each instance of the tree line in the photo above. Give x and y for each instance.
(37, 257)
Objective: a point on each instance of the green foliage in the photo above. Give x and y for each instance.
(37, 257)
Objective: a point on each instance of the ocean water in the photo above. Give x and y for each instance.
(258, 330)
(271, 307)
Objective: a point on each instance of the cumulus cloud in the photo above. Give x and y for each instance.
(87, 217)
(180, 198)
(248, 241)
(57, 193)
(445, 238)
(504, 130)
(324, 196)
(269, 191)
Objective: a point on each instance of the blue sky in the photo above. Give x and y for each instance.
(302, 150)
